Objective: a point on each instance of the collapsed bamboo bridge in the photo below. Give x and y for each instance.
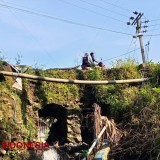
(70, 81)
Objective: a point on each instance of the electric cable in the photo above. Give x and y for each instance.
(103, 8)
(147, 47)
(122, 54)
(116, 6)
(153, 29)
(154, 20)
(153, 35)
(94, 39)
(24, 26)
(135, 45)
(62, 20)
(92, 11)
(130, 44)
(154, 25)
(96, 35)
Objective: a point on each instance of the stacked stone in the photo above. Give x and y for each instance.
(74, 129)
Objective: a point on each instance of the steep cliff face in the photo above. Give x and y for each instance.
(63, 105)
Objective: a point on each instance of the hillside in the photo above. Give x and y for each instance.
(133, 107)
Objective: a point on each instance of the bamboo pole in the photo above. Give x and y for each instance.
(95, 142)
(70, 81)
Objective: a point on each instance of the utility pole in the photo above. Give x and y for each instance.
(140, 35)
(137, 21)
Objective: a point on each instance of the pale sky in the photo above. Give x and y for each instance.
(57, 33)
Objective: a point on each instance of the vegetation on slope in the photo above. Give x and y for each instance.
(135, 108)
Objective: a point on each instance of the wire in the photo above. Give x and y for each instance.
(94, 38)
(24, 26)
(122, 54)
(154, 25)
(92, 11)
(135, 45)
(130, 44)
(154, 20)
(153, 35)
(104, 8)
(153, 29)
(60, 19)
(97, 34)
(147, 47)
(116, 6)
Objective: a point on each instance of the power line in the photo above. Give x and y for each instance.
(153, 29)
(152, 35)
(92, 11)
(122, 54)
(154, 25)
(154, 20)
(103, 8)
(116, 6)
(96, 34)
(24, 26)
(95, 38)
(79, 6)
(62, 20)
(147, 47)
(130, 44)
(135, 45)
(150, 26)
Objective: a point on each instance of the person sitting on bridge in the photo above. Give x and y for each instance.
(99, 64)
(93, 59)
(86, 65)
